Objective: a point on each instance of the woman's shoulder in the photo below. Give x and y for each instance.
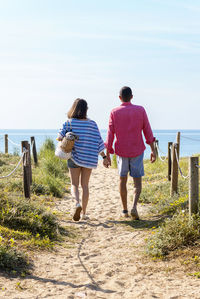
(93, 123)
(84, 121)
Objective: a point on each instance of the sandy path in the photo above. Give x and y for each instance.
(108, 262)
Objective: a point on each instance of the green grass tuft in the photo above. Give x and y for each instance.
(13, 261)
(114, 161)
(48, 145)
(176, 232)
(28, 216)
(51, 175)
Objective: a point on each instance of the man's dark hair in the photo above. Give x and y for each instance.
(126, 93)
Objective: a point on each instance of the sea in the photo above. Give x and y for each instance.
(189, 140)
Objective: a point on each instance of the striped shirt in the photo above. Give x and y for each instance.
(88, 146)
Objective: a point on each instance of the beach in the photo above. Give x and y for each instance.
(107, 260)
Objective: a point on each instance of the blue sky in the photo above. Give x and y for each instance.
(52, 52)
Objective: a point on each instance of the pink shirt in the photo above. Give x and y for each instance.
(126, 124)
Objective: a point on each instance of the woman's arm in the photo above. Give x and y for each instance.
(62, 132)
(106, 162)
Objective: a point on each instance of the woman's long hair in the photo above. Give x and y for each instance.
(78, 109)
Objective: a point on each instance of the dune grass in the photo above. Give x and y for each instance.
(171, 228)
(51, 174)
(28, 224)
(177, 230)
(13, 261)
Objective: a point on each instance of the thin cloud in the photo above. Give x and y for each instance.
(180, 4)
(193, 47)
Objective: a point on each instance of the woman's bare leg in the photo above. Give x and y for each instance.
(85, 176)
(75, 176)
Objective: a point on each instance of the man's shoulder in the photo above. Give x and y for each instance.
(138, 107)
(132, 106)
(115, 109)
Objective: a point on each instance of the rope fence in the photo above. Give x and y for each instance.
(160, 152)
(14, 142)
(185, 177)
(25, 160)
(174, 169)
(33, 146)
(6, 176)
(193, 139)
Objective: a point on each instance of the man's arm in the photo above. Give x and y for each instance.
(153, 153)
(148, 134)
(149, 137)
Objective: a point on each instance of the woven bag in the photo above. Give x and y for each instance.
(68, 141)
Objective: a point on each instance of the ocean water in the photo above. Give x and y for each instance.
(189, 142)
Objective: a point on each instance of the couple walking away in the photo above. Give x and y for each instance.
(126, 125)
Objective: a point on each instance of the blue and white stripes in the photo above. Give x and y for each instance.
(89, 144)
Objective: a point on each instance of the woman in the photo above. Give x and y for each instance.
(84, 154)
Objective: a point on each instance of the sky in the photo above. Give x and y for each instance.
(54, 51)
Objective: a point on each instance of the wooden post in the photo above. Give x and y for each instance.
(193, 185)
(6, 143)
(26, 170)
(29, 162)
(169, 160)
(156, 149)
(34, 151)
(178, 137)
(174, 175)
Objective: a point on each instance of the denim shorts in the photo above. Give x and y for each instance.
(71, 164)
(134, 166)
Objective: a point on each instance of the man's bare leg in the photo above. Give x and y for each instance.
(123, 192)
(136, 195)
(137, 190)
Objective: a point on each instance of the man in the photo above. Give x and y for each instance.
(126, 124)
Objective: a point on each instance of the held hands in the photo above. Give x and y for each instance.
(106, 162)
(106, 159)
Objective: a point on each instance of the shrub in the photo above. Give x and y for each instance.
(39, 189)
(29, 216)
(175, 232)
(152, 193)
(15, 185)
(2, 162)
(52, 165)
(13, 261)
(50, 177)
(55, 186)
(48, 145)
